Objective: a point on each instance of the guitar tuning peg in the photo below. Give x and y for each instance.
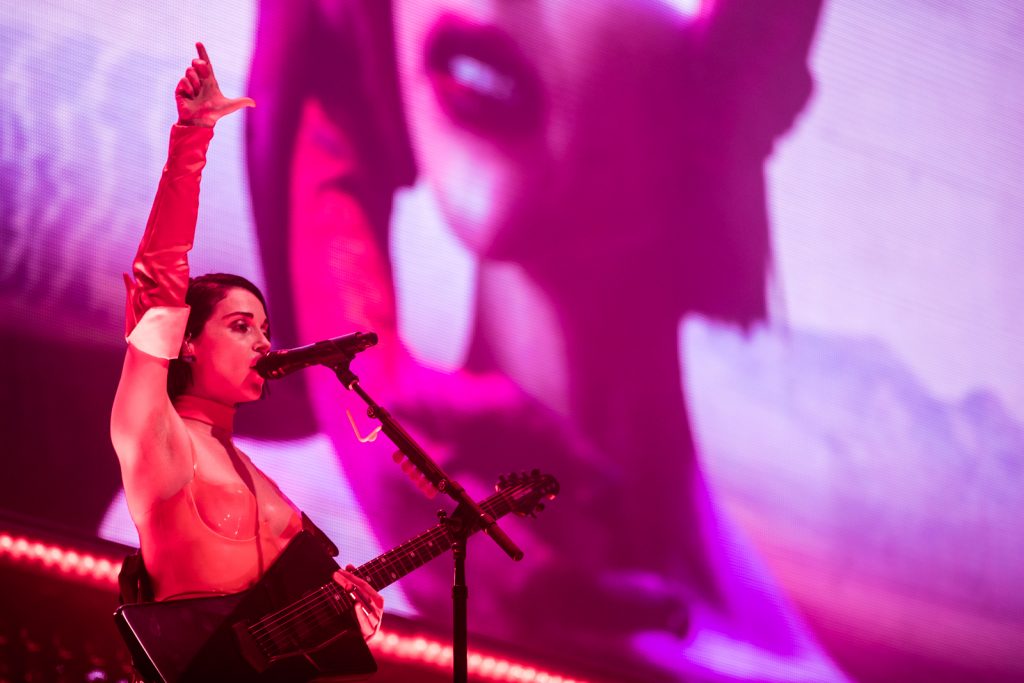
(535, 473)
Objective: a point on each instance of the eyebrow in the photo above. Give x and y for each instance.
(266, 323)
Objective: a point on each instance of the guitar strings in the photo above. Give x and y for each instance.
(277, 621)
(315, 618)
(322, 614)
(312, 612)
(282, 619)
(316, 610)
(306, 601)
(310, 601)
(400, 553)
(312, 605)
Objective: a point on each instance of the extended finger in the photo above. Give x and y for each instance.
(201, 51)
(234, 105)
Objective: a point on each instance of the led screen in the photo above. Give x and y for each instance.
(744, 277)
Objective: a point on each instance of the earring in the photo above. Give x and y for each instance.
(188, 355)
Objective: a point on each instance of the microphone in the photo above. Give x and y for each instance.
(330, 352)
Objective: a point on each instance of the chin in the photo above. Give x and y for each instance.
(486, 234)
(478, 241)
(251, 396)
(248, 392)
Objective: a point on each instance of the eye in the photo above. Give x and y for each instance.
(240, 326)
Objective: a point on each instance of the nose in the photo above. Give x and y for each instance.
(262, 344)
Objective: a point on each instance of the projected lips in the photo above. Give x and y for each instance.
(482, 80)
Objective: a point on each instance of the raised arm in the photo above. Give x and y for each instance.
(148, 436)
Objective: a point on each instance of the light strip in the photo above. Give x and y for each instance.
(428, 651)
(55, 558)
(388, 644)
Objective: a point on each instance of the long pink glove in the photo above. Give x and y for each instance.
(160, 268)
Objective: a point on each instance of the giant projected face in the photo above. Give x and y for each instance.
(735, 308)
(588, 175)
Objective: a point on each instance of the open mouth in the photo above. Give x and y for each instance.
(482, 80)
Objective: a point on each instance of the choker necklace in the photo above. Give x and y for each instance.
(217, 415)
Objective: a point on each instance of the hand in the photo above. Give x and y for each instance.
(200, 101)
(369, 605)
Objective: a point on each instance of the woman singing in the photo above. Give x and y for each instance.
(209, 521)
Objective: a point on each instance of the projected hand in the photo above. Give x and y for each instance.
(200, 101)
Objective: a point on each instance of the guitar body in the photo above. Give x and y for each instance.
(295, 624)
(208, 639)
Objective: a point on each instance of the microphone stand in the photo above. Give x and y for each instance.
(467, 517)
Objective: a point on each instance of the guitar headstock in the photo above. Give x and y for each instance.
(526, 490)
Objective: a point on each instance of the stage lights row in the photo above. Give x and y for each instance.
(429, 651)
(69, 562)
(389, 644)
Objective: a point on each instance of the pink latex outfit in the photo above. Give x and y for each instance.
(209, 520)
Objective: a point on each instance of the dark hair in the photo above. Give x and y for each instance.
(303, 50)
(204, 293)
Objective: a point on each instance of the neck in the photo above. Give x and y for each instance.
(621, 375)
(218, 415)
(596, 337)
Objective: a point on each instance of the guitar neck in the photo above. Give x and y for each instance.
(394, 564)
(277, 634)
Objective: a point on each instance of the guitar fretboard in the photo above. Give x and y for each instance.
(394, 564)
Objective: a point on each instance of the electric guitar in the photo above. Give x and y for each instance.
(296, 624)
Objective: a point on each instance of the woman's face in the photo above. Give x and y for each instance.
(520, 109)
(236, 335)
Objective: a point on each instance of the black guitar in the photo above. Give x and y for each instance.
(265, 634)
